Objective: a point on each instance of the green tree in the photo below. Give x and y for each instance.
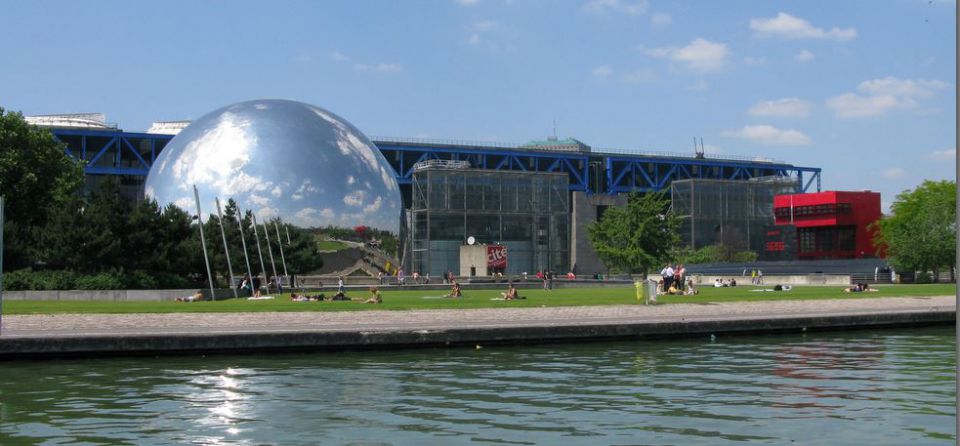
(36, 176)
(638, 236)
(921, 233)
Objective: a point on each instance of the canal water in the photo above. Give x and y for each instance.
(884, 387)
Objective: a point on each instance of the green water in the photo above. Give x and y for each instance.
(891, 387)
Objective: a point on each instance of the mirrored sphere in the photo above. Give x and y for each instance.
(279, 158)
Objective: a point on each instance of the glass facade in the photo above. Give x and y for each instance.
(528, 212)
(729, 212)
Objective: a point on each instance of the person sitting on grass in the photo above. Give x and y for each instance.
(511, 293)
(673, 289)
(375, 297)
(690, 291)
(196, 296)
(455, 291)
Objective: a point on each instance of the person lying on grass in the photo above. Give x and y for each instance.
(860, 288)
(196, 297)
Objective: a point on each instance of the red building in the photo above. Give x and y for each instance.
(830, 225)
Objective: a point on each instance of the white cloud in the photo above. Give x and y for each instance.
(640, 76)
(602, 72)
(699, 55)
(893, 173)
(754, 60)
(804, 56)
(782, 108)
(882, 95)
(277, 191)
(620, 6)
(259, 200)
(380, 67)
(490, 35)
(711, 149)
(660, 19)
(789, 27)
(892, 86)
(468, 2)
(769, 135)
(338, 56)
(373, 207)
(850, 105)
(942, 155)
(354, 198)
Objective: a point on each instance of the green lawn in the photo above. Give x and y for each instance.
(408, 300)
(331, 245)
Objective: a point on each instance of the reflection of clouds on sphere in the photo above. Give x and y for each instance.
(279, 158)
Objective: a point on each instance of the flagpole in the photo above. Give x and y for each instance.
(226, 251)
(203, 242)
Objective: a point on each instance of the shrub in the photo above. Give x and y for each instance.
(27, 279)
(101, 281)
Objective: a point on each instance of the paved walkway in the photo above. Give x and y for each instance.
(79, 325)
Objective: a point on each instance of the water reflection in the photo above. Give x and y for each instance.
(886, 387)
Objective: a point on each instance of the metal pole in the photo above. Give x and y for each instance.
(256, 235)
(203, 241)
(287, 229)
(266, 236)
(226, 251)
(276, 225)
(1, 263)
(243, 241)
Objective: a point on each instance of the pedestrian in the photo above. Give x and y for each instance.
(667, 274)
(340, 285)
(759, 277)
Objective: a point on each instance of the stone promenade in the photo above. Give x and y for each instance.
(28, 335)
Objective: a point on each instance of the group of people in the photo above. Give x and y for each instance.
(254, 286)
(720, 283)
(547, 278)
(677, 288)
(674, 277)
(375, 297)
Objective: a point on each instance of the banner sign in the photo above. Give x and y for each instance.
(496, 257)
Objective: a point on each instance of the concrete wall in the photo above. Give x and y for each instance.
(583, 258)
(111, 295)
(475, 256)
(769, 281)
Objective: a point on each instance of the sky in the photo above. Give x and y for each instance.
(865, 90)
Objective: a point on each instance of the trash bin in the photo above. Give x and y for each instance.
(651, 291)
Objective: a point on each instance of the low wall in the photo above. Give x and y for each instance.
(109, 295)
(796, 279)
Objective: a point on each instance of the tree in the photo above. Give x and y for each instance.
(36, 176)
(921, 233)
(638, 236)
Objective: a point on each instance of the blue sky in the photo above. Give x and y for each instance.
(864, 89)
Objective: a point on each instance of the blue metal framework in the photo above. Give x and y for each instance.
(115, 152)
(645, 174)
(404, 156)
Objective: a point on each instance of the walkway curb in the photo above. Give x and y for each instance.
(249, 341)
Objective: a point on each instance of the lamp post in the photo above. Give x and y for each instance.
(203, 242)
(226, 251)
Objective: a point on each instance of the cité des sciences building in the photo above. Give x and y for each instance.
(534, 199)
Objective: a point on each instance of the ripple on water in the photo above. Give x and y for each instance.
(883, 387)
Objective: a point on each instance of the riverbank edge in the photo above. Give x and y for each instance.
(319, 340)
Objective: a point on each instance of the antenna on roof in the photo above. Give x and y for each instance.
(554, 137)
(698, 150)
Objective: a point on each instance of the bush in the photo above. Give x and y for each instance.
(101, 281)
(140, 280)
(27, 279)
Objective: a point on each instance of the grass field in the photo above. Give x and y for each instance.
(411, 300)
(331, 245)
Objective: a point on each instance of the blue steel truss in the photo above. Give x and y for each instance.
(115, 152)
(646, 174)
(404, 156)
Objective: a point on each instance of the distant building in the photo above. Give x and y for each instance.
(827, 225)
